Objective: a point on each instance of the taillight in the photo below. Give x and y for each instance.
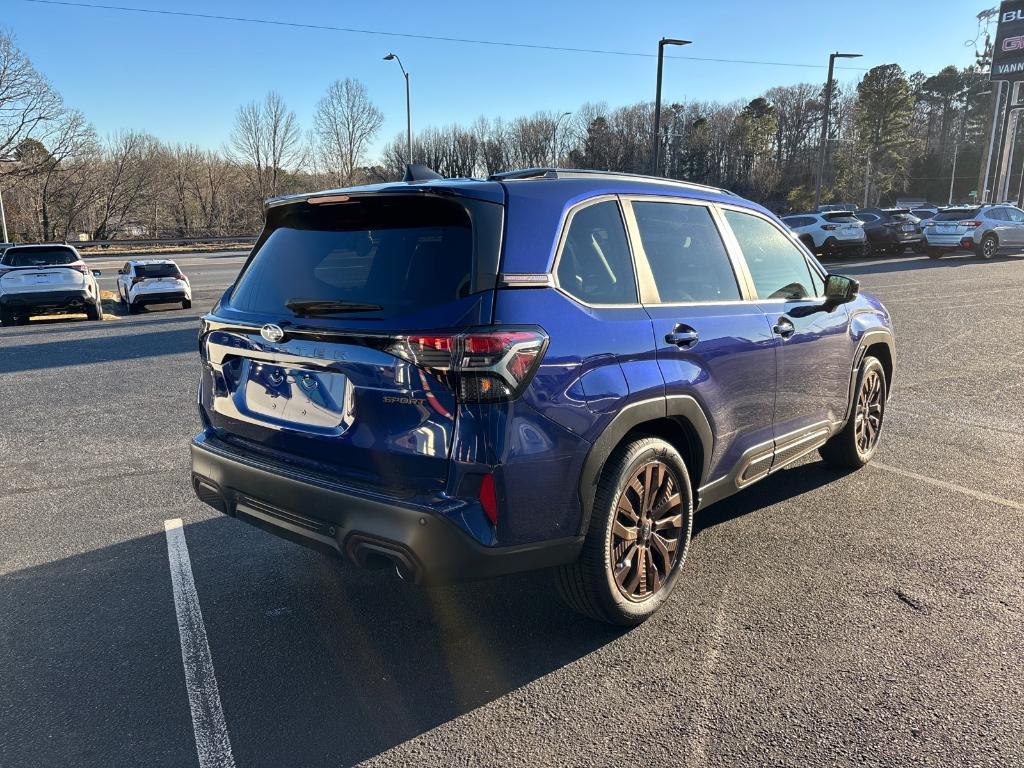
(81, 268)
(137, 280)
(180, 276)
(971, 224)
(482, 366)
(830, 227)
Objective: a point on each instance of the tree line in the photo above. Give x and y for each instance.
(890, 134)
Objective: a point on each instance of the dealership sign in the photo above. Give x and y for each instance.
(1008, 54)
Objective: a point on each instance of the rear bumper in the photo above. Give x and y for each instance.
(370, 531)
(165, 297)
(835, 244)
(46, 300)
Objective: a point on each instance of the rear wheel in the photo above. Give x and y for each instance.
(934, 253)
(6, 317)
(854, 446)
(94, 311)
(989, 247)
(186, 304)
(638, 536)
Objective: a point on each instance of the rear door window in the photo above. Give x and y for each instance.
(688, 260)
(376, 257)
(596, 265)
(777, 266)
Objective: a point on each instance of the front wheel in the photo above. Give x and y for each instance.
(638, 536)
(6, 317)
(854, 446)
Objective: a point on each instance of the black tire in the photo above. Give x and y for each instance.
(7, 317)
(132, 308)
(848, 448)
(933, 253)
(186, 304)
(988, 248)
(94, 311)
(593, 585)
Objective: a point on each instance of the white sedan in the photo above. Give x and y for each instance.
(152, 281)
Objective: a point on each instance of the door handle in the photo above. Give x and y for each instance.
(784, 328)
(682, 336)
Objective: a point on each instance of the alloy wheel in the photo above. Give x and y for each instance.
(870, 405)
(988, 248)
(647, 531)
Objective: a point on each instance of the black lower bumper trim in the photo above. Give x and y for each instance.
(45, 300)
(422, 544)
(160, 298)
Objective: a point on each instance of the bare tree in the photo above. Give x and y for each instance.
(266, 142)
(129, 170)
(344, 124)
(28, 104)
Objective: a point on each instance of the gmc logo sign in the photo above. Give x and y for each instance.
(1014, 43)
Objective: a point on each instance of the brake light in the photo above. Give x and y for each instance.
(180, 276)
(137, 280)
(483, 366)
(830, 227)
(489, 499)
(81, 268)
(970, 224)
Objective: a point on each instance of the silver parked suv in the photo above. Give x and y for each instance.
(983, 229)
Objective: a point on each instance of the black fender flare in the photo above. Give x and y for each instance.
(672, 406)
(868, 339)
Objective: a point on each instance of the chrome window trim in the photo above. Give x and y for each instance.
(567, 218)
(802, 249)
(652, 297)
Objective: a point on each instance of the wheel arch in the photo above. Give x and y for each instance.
(679, 420)
(878, 342)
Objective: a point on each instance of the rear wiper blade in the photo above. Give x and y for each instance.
(328, 307)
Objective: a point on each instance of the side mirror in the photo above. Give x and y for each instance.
(95, 273)
(840, 289)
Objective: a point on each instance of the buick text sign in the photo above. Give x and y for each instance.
(1008, 54)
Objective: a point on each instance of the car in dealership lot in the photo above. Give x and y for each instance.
(152, 281)
(549, 368)
(891, 230)
(982, 229)
(830, 233)
(46, 278)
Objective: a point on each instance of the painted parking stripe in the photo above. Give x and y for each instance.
(211, 731)
(950, 486)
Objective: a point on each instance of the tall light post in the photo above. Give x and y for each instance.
(408, 109)
(554, 137)
(963, 135)
(824, 121)
(656, 151)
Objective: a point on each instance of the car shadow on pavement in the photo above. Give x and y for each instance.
(915, 263)
(97, 349)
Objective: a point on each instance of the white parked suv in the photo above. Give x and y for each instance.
(152, 281)
(46, 278)
(829, 232)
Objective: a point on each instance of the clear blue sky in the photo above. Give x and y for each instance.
(182, 79)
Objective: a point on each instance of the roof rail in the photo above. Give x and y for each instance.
(580, 173)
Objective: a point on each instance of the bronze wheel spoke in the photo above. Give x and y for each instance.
(624, 533)
(667, 504)
(626, 566)
(674, 521)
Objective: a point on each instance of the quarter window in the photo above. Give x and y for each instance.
(687, 257)
(777, 266)
(596, 266)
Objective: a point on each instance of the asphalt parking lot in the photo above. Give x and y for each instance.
(873, 618)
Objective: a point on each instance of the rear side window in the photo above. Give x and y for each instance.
(798, 221)
(380, 257)
(839, 218)
(777, 266)
(596, 266)
(959, 214)
(156, 270)
(686, 254)
(38, 257)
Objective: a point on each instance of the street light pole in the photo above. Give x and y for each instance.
(408, 107)
(824, 121)
(656, 150)
(554, 138)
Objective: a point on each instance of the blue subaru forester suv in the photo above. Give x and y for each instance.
(462, 378)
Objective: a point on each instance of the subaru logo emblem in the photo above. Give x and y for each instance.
(272, 333)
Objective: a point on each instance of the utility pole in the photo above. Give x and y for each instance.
(656, 149)
(824, 121)
(408, 108)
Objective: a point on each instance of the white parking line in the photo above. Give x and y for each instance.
(211, 731)
(949, 486)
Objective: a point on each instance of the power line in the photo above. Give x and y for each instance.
(433, 38)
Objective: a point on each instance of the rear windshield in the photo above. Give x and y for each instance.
(37, 257)
(379, 257)
(156, 270)
(958, 215)
(840, 218)
(923, 213)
